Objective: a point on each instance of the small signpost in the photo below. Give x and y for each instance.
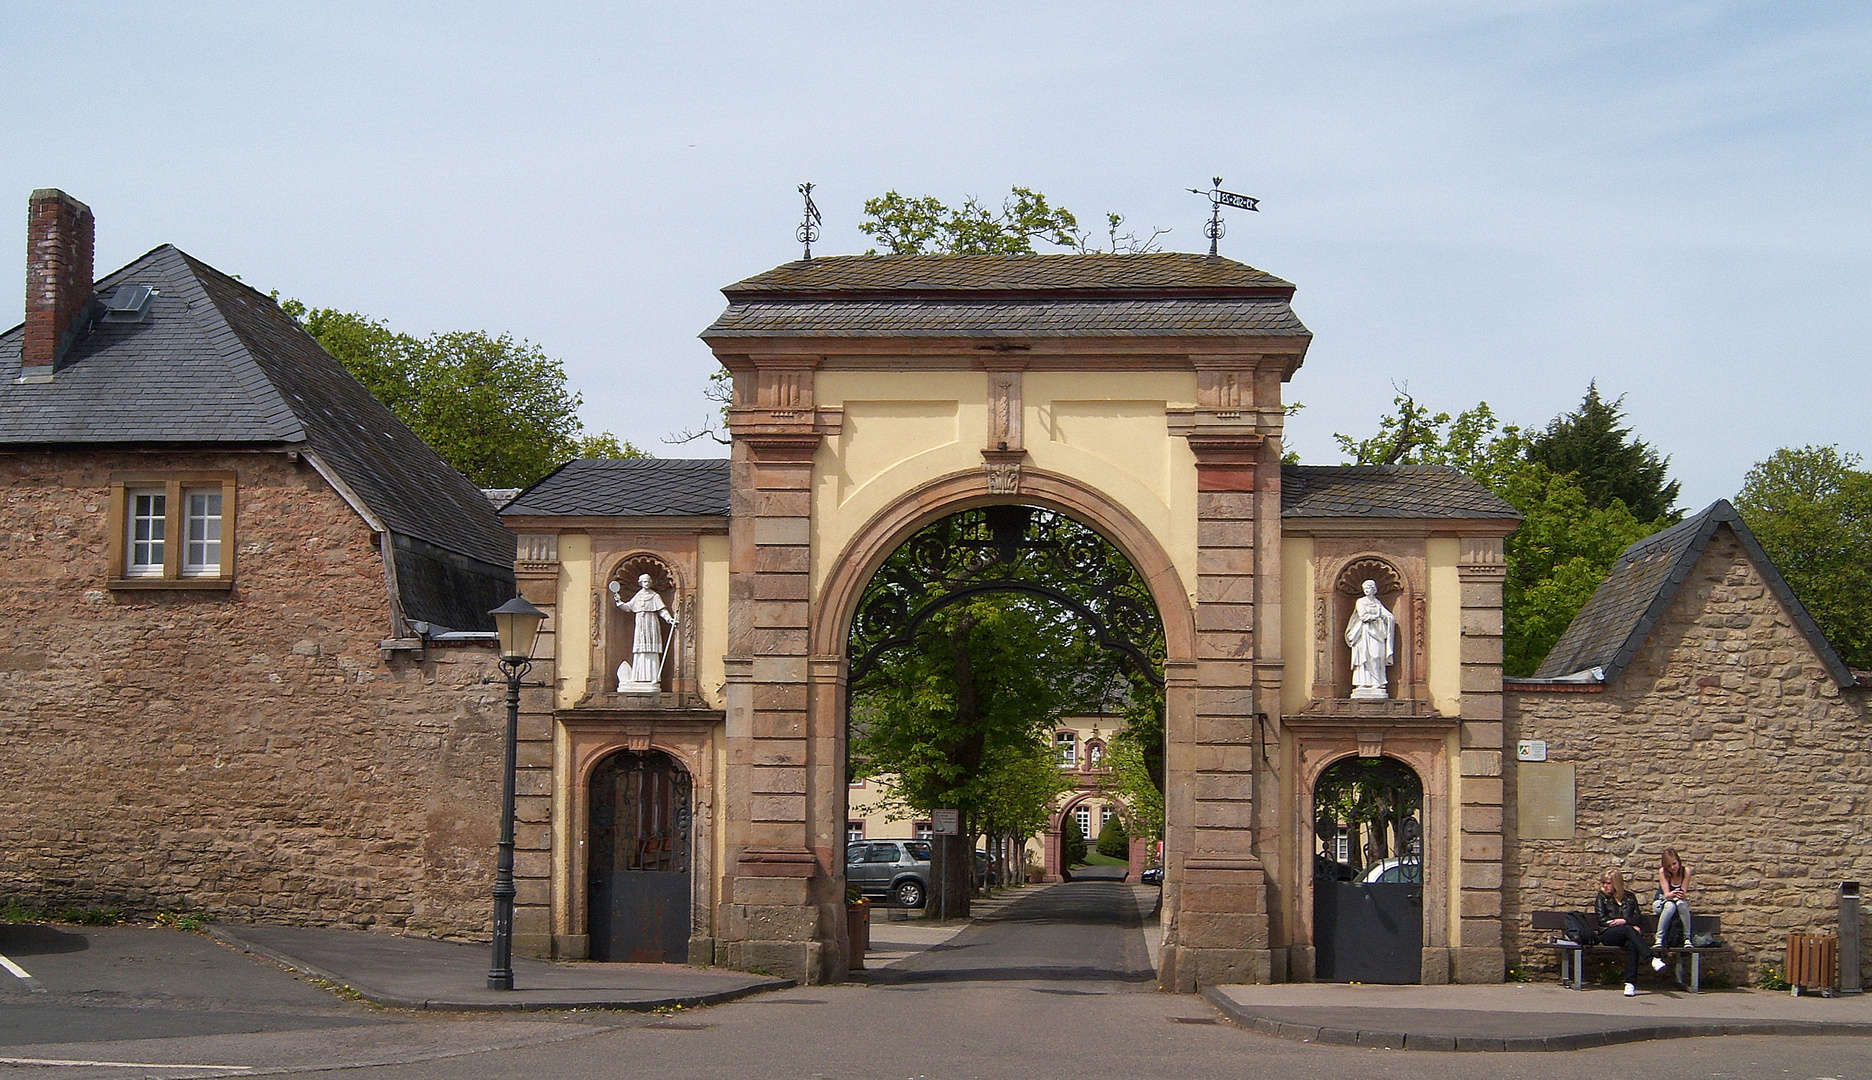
(946, 822)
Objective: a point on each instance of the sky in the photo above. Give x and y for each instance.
(1490, 200)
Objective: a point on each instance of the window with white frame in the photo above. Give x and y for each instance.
(1067, 744)
(1105, 816)
(148, 523)
(924, 830)
(854, 830)
(1082, 816)
(202, 518)
(173, 532)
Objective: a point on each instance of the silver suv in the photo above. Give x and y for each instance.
(895, 869)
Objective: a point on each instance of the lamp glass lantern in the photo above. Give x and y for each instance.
(518, 624)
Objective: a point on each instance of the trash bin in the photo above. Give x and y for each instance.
(1812, 961)
(857, 934)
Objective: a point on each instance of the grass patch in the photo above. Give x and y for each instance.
(1519, 974)
(15, 912)
(191, 921)
(1093, 858)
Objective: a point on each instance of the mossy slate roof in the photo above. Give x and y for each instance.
(630, 487)
(1613, 626)
(1387, 491)
(1034, 296)
(216, 363)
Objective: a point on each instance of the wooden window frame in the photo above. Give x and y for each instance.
(173, 485)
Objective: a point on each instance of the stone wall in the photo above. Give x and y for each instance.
(248, 753)
(1726, 739)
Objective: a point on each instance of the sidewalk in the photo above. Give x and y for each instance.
(1526, 1016)
(418, 973)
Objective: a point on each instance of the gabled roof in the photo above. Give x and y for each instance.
(1387, 491)
(632, 487)
(1610, 629)
(216, 363)
(1158, 294)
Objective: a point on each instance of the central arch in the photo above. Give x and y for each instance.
(837, 597)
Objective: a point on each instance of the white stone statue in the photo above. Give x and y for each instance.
(1372, 633)
(643, 672)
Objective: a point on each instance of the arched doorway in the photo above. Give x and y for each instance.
(976, 636)
(1368, 872)
(638, 882)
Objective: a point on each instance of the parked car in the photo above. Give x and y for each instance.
(895, 870)
(986, 875)
(1395, 871)
(1152, 874)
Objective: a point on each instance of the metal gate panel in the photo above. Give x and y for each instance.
(638, 889)
(1368, 933)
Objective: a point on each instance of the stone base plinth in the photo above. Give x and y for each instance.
(1435, 969)
(1479, 965)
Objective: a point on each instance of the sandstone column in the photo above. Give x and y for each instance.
(1479, 957)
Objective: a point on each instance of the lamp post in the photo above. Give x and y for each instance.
(518, 623)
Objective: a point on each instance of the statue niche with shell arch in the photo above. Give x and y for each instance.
(642, 671)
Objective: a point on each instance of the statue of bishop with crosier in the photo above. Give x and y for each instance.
(643, 672)
(1371, 633)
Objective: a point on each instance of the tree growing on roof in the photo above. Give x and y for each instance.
(495, 408)
(924, 225)
(1811, 509)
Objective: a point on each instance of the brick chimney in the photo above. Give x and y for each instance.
(59, 236)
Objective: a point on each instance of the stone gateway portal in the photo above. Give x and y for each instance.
(1137, 395)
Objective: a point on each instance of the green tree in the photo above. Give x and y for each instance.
(1134, 785)
(1593, 445)
(1811, 508)
(924, 225)
(1072, 843)
(1113, 841)
(495, 408)
(1566, 543)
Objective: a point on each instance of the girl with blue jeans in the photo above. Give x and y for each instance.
(1673, 882)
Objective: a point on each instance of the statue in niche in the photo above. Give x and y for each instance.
(643, 672)
(1372, 635)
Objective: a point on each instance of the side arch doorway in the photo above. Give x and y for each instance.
(1368, 872)
(638, 880)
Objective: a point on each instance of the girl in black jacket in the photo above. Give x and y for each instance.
(1617, 909)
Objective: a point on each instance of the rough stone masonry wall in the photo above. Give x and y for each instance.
(249, 754)
(1725, 739)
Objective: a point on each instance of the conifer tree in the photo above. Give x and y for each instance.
(1593, 444)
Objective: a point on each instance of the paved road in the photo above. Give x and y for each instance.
(1050, 989)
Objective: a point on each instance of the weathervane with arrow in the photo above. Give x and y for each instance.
(809, 226)
(1217, 200)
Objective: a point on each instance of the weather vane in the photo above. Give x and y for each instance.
(1217, 200)
(809, 226)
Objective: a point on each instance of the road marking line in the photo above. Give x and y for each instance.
(120, 1064)
(21, 973)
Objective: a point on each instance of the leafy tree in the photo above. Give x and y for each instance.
(926, 226)
(1566, 543)
(1592, 444)
(1072, 843)
(1113, 841)
(495, 408)
(1811, 508)
(1133, 783)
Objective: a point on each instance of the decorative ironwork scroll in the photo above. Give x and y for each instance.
(1009, 549)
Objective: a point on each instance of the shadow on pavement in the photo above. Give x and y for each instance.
(31, 939)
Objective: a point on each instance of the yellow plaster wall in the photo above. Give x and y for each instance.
(572, 665)
(1444, 647)
(901, 430)
(712, 620)
(1297, 628)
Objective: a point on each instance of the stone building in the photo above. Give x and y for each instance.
(1692, 704)
(245, 666)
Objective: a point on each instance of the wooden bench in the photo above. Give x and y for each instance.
(1573, 955)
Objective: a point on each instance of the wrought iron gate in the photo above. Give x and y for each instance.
(1368, 873)
(638, 881)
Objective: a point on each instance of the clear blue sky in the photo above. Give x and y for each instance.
(1488, 200)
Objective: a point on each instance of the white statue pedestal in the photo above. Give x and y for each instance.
(1370, 693)
(638, 688)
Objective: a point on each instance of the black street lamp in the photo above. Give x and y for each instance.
(518, 623)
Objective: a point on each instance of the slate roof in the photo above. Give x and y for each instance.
(644, 487)
(1166, 273)
(216, 363)
(1387, 491)
(1159, 294)
(1613, 625)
